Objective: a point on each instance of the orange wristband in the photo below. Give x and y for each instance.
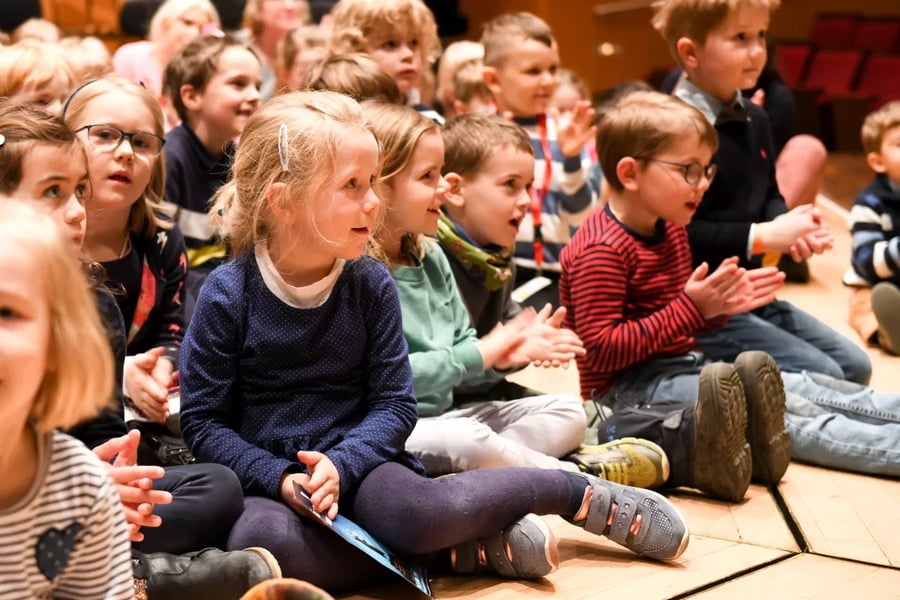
(758, 247)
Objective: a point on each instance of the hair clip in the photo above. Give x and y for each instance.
(2, 139)
(283, 149)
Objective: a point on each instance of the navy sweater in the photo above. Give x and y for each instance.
(261, 380)
(744, 192)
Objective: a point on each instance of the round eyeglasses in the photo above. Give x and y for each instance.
(107, 138)
(693, 171)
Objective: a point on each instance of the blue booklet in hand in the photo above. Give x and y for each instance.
(359, 537)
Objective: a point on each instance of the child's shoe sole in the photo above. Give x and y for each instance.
(886, 306)
(720, 457)
(770, 442)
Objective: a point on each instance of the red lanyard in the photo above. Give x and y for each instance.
(537, 199)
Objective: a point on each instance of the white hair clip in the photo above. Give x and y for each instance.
(283, 149)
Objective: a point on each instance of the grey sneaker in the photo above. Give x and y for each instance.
(209, 574)
(629, 461)
(720, 457)
(663, 533)
(526, 549)
(770, 442)
(886, 306)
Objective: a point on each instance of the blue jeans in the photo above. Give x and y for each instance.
(795, 339)
(832, 423)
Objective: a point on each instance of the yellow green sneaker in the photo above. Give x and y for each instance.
(627, 461)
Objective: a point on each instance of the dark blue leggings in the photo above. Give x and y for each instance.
(411, 514)
(206, 500)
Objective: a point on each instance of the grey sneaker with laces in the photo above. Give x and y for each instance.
(526, 549)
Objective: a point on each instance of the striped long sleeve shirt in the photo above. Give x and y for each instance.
(875, 230)
(624, 296)
(67, 538)
(570, 196)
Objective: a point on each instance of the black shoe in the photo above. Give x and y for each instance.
(770, 442)
(720, 457)
(795, 272)
(209, 574)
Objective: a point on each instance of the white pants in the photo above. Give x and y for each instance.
(528, 432)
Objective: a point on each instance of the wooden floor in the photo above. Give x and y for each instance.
(819, 534)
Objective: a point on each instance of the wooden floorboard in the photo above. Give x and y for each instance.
(810, 577)
(846, 515)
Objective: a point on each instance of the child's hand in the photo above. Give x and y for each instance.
(573, 132)
(712, 293)
(785, 233)
(496, 346)
(565, 345)
(134, 483)
(816, 242)
(323, 482)
(760, 290)
(147, 379)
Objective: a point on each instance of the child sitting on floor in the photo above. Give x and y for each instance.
(875, 225)
(61, 521)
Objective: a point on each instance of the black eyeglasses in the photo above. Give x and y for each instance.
(693, 171)
(107, 138)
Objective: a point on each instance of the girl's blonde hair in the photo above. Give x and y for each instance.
(174, 9)
(253, 16)
(354, 21)
(398, 129)
(143, 219)
(293, 139)
(88, 58)
(31, 63)
(73, 389)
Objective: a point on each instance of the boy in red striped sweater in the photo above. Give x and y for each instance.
(632, 297)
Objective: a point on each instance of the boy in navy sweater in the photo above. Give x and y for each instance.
(721, 45)
(214, 86)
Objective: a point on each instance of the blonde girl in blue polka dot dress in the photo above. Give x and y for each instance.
(294, 370)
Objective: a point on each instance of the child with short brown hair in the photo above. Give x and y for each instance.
(521, 60)
(875, 226)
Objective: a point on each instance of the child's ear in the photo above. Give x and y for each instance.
(276, 202)
(876, 162)
(454, 196)
(191, 97)
(489, 74)
(627, 170)
(687, 51)
(459, 107)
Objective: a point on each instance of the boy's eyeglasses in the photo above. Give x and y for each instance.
(107, 138)
(693, 171)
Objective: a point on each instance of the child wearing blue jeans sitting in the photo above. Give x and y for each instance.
(294, 371)
(630, 293)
